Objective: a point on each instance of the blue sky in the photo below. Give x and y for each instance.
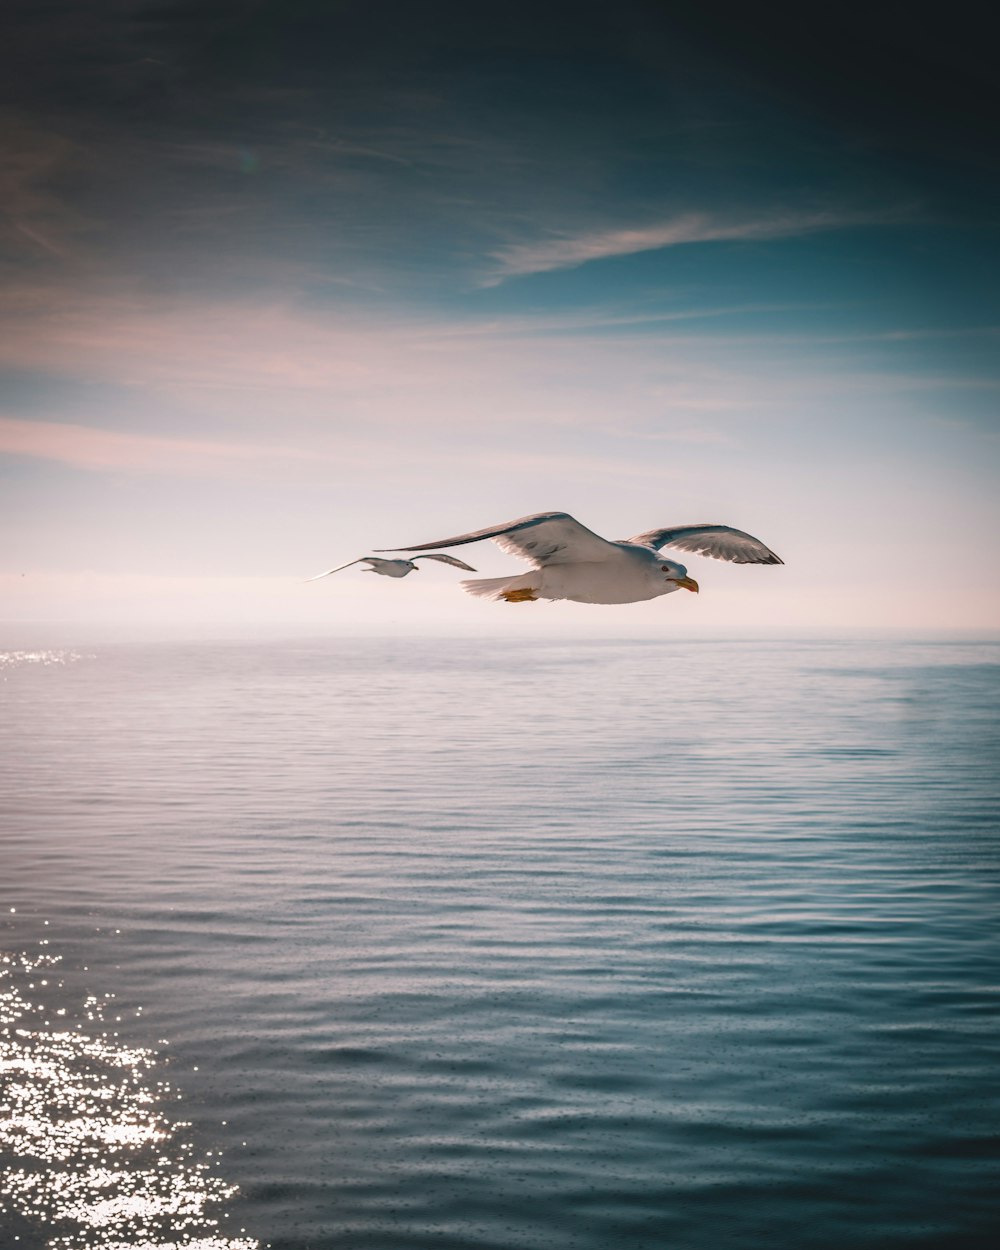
(284, 283)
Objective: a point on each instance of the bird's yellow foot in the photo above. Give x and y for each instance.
(520, 596)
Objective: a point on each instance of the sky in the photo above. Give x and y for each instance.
(286, 281)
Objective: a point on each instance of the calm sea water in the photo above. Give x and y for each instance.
(437, 945)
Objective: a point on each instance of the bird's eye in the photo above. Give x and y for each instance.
(665, 568)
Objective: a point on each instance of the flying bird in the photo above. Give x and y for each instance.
(394, 568)
(572, 562)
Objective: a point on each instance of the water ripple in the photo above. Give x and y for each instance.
(520, 945)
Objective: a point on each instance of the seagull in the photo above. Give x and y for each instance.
(394, 568)
(572, 562)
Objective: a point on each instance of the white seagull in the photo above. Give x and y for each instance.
(394, 568)
(572, 562)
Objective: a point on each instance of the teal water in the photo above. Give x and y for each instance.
(498, 945)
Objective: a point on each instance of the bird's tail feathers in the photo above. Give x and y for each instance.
(485, 587)
(494, 587)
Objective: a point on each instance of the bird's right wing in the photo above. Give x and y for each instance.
(545, 538)
(719, 542)
(454, 561)
(337, 569)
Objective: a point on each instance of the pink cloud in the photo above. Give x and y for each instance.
(90, 448)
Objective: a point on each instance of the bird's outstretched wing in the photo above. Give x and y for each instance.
(452, 560)
(545, 538)
(359, 560)
(720, 542)
(375, 561)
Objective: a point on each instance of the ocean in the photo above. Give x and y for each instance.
(392, 944)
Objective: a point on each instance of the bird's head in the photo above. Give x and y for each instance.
(676, 576)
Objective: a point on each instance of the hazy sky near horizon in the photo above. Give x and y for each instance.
(285, 281)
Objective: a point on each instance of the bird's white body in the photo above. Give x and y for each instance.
(572, 562)
(392, 568)
(636, 574)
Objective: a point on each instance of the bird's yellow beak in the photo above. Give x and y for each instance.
(688, 583)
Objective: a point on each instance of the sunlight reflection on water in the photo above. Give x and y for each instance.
(17, 659)
(99, 1161)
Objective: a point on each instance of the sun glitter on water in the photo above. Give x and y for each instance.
(17, 659)
(91, 1160)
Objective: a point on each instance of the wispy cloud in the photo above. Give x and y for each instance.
(90, 448)
(35, 220)
(563, 251)
(530, 327)
(230, 390)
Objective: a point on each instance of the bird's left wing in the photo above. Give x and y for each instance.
(720, 542)
(545, 538)
(452, 560)
(336, 570)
